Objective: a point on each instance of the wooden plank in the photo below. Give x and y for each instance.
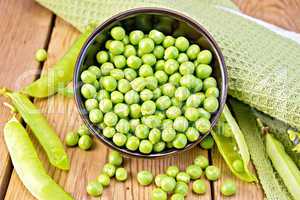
(85, 166)
(245, 191)
(24, 28)
(284, 13)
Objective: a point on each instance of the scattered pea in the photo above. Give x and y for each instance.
(201, 161)
(212, 173)
(145, 178)
(199, 187)
(172, 171)
(228, 188)
(121, 174)
(85, 142)
(72, 139)
(41, 55)
(104, 179)
(94, 188)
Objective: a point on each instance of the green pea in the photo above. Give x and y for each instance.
(161, 77)
(175, 79)
(152, 121)
(172, 171)
(115, 158)
(96, 116)
(168, 41)
(108, 132)
(72, 139)
(193, 51)
(181, 188)
(122, 110)
(203, 71)
(188, 81)
(132, 143)
(158, 194)
(207, 143)
(159, 147)
(109, 83)
(177, 197)
(160, 65)
(146, 45)
(156, 93)
(145, 178)
(121, 174)
(203, 125)
(168, 134)
(191, 113)
(116, 47)
(132, 97)
(194, 171)
(167, 123)
(95, 70)
(204, 57)
(145, 147)
(83, 130)
(156, 36)
(85, 142)
(187, 68)
(201, 161)
(41, 55)
(88, 91)
(183, 177)
(110, 119)
(133, 124)
(135, 37)
(182, 43)
(146, 95)
(135, 111)
(198, 84)
(151, 82)
(180, 124)
(173, 112)
(102, 57)
(209, 82)
(119, 139)
(163, 102)
(138, 84)
(94, 188)
(107, 43)
(171, 53)
(182, 93)
(134, 62)
(91, 104)
(129, 51)
(119, 61)
(212, 173)
(109, 169)
(176, 102)
(180, 141)
(211, 104)
(117, 97)
(204, 114)
(88, 77)
(124, 85)
(228, 188)
(102, 94)
(142, 131)
(117, 33)
(238, 165)
(159, 178)
(192, 134)
(123, 126)
(159, 52)
(104, 179)
(148, 107)
(130, 74)
(182, 57)
(145, 70)
(106, 68)
(168, 184)
(149, 59)
(195, 100)
(199, 187)
(171, 66)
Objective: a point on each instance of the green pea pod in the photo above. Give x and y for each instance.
(234, 148)
(41, 129)
(28, 166)
(284, 165)
(61, 74)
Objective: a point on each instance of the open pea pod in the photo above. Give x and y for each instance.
(62, 72)
(233, 147)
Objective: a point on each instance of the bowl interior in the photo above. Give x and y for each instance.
(170, 23)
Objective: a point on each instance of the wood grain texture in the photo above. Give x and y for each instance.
(245, 191)
(283, 13)
(18, 42)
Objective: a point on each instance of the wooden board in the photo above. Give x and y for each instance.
(19, 43)
(24, 27)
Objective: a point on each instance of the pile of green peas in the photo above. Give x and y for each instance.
(150, 92)
(81, 137)
(111, 169)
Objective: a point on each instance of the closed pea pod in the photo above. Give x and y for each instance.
(41, 129)
(62, 72)
(28, 166)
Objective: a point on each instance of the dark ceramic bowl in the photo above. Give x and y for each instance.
(169, 22)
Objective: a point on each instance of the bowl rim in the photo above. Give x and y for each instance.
(148, 10)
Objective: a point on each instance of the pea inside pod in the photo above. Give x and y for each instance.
(62, 72)
(41, 129)
(27, 164)
(234, 149)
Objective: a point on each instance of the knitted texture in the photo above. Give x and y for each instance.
(273, 186)
(263, 67)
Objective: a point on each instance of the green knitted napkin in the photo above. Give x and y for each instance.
(263, 66)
